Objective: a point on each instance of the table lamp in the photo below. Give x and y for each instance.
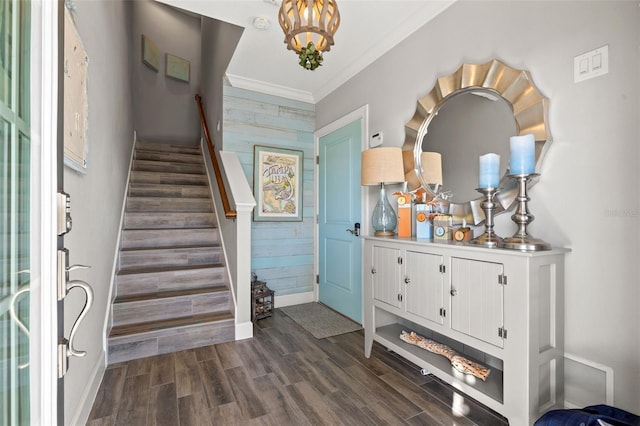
(382, 166)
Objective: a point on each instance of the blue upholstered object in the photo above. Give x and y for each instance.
(594, 415)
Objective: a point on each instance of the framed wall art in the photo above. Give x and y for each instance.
(76, 100)
(150, 54)
(277, 184)
(177, 68)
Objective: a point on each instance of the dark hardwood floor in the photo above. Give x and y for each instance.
(283, 376)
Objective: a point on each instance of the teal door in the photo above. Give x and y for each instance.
(15, 264)
(340, 251)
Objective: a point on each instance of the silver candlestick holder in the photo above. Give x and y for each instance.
(489, 238)
(521, 240)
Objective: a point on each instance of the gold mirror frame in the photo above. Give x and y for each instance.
(516, 88)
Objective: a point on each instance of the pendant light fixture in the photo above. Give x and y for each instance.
(309, 27)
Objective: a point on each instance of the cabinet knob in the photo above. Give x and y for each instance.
(453, 292)
(407, 280)
(373, 270)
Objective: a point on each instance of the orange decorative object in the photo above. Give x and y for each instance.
(404, 215)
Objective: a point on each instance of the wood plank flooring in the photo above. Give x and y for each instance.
(283, 376)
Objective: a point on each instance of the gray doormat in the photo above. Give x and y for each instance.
(320, 320)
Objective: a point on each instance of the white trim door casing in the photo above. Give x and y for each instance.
(44, 128)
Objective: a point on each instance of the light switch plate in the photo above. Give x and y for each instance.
(591, 64)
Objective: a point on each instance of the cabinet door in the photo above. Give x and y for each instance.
(386, 275)
(424, 286)
(477, 299)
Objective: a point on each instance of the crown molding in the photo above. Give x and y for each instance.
(270, 89)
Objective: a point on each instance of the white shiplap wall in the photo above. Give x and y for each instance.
(282, 252)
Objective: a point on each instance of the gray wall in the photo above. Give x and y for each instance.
(165, 110)
(97, 196)
(219, 41)
(587, 198)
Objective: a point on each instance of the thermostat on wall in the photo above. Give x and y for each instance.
(376, 140)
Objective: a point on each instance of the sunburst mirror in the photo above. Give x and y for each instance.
(468, 113)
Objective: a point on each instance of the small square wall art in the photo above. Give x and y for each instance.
(178, 68)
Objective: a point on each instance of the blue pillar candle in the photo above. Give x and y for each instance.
(523, 155)
(489, 171)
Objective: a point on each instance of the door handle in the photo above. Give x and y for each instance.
(71, 351)
(356, 229)
(16, 319)
(66, 347)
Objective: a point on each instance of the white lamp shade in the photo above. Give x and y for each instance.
(382, 165)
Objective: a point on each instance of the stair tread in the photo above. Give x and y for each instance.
(162, 172)
(169, 293)
(170, 214)
(186, 155)
(184, 227)
(167, 199)
(129, 329)
(174, 247)
(144, 185)
(130, 271)
(168, 167)
(204, 229)
(164, 146)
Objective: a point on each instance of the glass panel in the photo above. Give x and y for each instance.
(24, 92)
(14, 213)
(22, 210)
(5, 214)
(6, 54)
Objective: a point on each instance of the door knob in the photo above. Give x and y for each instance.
(453, 292)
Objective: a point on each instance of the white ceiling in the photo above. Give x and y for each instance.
(368, 29)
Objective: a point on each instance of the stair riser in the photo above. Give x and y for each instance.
(169, 237)
(170, 257)
(173, 191)
(154, 282)
(151, 204)
(172, 340)
(167, 167)
(163, 147)
(169, 308)
(168, 178)
(168, 156)
(168, 220)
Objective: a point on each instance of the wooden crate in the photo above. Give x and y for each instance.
(262, 303)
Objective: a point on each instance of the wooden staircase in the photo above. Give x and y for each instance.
(171, 292)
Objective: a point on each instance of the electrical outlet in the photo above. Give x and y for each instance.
(591, 64)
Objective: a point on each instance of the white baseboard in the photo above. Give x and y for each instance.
(85, 405)
(294, 299)
(587, 382)
(114, 267)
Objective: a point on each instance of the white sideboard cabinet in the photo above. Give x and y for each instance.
(501, 308)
